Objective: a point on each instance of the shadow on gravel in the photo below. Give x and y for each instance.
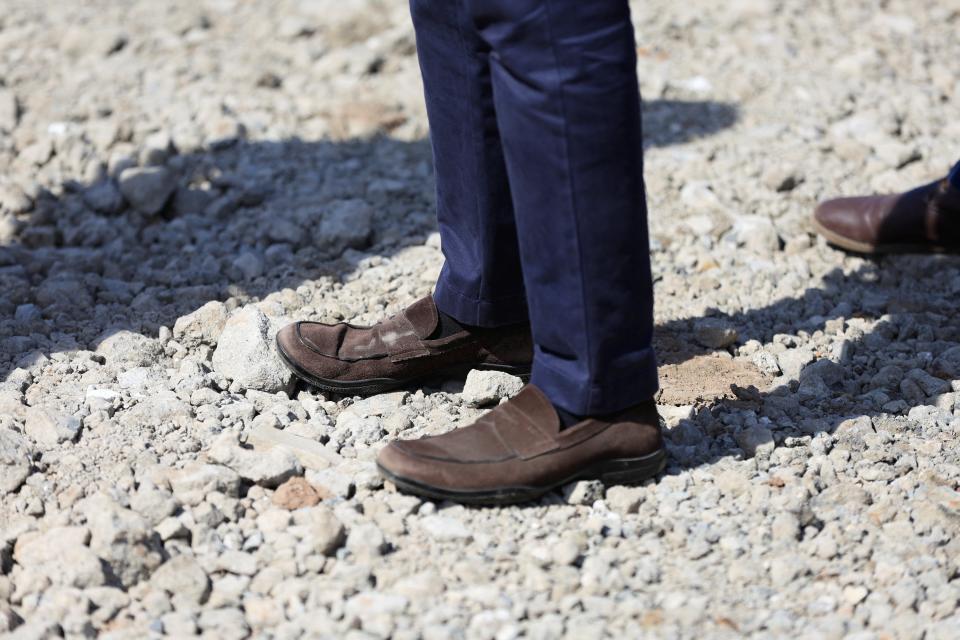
(247, 219)
(669, 122)
(251, 218)
(907, 360)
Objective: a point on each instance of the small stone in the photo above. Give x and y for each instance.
(153, 504)
(324, 531)
(295, 493)
(27, 313)
(249, 264)
(246, 354)
(382, 404)
(147, 189)
(9, 110)
(792, 361)
(179, 624)
(781, 178)
(62, 555)
(183, 579)
(191, 484)
(785, 569)
(49, 428)
(16, 456)
(755, 441)
(583, 492)
(335, 482)
(714, 333)
(104, 197)
(854, 594)
(373, 603)
(172, 528)
(487, 387)
(127, 348)
(238, 563)
(14, 199)
(623, 499)
(268, 469)
(366, 540)
(444, 528)
(348, 224)
(785, 528)
(188, 201)
(756, 234)
(203, 326)
(121, 537)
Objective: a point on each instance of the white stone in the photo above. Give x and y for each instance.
(49, 428)
(247, 355)
(487, 387)
(269, 469)
(444, 528)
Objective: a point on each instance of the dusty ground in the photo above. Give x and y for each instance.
(177, 179)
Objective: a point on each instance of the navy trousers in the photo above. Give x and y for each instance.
(534, 114)
(955, 175)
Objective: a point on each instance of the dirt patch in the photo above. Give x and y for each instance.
(706, 377)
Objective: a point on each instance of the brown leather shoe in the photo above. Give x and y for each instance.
(924, 220)
(399, 351)
(518, 452)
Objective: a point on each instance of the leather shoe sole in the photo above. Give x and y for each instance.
(609, 472)
(372, 386)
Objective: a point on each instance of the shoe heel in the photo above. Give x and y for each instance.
(632, 470)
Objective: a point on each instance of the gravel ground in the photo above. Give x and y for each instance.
(179, 179)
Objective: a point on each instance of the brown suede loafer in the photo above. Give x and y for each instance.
(399, 351)
(517, 452)
(924, 220)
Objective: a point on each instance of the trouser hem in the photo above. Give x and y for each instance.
(480, 313)
(615, 389)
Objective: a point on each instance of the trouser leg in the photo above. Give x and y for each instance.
(955, 175)
(481, 281)
(568, 110)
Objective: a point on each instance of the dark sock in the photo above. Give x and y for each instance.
(567, 419)
(446, 326)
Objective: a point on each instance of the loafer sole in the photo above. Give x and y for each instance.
(866, 248)
(615, 471)
(373, 386)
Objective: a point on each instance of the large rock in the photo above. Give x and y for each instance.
(184, 579)
(16, 455)
(147, 189)
(487, 387)
(246, 353)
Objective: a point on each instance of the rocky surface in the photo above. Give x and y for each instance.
(178, 179)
